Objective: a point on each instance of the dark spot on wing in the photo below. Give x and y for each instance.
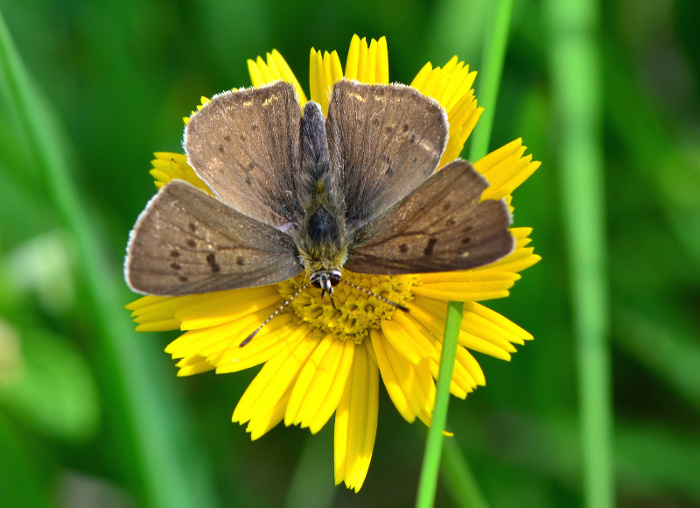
(175, 266)
(211, 260)
(240, 260)
(191, 243)
(405, 127)
(428, 251)
(174, 253)
(248, 180)
(389, 129)
(251, 165)
(446, 205)
(386, 158)
(221, 148)
(451, 221)
(227, 137)
(193, 227)
(375, 121)
(466, 240)
(404, 247)
(254, 127)
(182, 278)
(414, 138)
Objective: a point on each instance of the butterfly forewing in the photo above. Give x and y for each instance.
(384, 141)
(186, 241)
(441, 226)
(246, 146)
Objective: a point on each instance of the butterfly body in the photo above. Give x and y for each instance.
(295, 192)
(322, 238)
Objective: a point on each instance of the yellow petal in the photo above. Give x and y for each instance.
(431, 314)
(356, 422)
(466, 375)
(193, 365)
(274, 68)
(505, 169)
(393, 383)
(410, 387)
(169, 166)
(325, 71)
(227, 306)
(381, 74)
(353, 61)
(273, 380)
(465, 286)
(268, 74)
(522, 257)
(261, 423)
(320, 385)
(159, 326)
(256, 77)
(285, 73)
(403, 334)
(368, 63)
(277, 335)
(212, 341)
(451, 87)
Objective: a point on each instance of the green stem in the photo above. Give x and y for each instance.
(496, 40)
(494, 54)
(575, 69)
(433, 448)
(149, 425)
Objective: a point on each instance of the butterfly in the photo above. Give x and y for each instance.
(295, 191)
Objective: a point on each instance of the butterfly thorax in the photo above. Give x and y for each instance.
(322, 241)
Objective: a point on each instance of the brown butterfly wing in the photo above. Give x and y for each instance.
(441, 226)
(384, 141)
(246, 146)
(186, 241)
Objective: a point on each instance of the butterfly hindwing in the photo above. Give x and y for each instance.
(245, 145)
(384, 141)
(186, 241)
(441, 226)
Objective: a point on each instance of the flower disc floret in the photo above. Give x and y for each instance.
(349, 314)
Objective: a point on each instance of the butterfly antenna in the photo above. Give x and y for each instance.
(397, 305)
(279, 309)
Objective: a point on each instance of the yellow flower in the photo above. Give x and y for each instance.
(322, 358)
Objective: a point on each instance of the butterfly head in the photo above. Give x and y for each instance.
(325, 280)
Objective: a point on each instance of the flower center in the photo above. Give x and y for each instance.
(349, 313)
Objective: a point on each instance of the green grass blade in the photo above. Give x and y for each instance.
(21, 481)
(494, 55)
(431, 460)
(459, 478)
(150, 426)
(489, 79)
(574, 60)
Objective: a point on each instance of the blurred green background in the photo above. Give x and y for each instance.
(91, 414)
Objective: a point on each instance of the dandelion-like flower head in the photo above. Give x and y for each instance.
(324, 356)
